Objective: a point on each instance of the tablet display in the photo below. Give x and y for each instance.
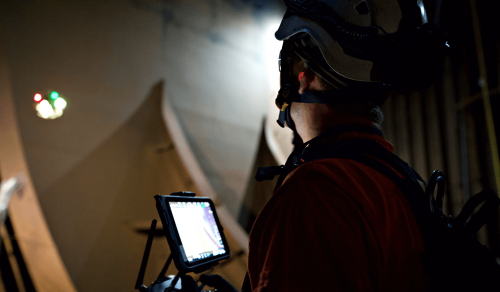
(197, 230)
(193, 231)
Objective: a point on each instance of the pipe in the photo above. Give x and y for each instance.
(483, 83)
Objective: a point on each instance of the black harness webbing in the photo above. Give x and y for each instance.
(311, 150)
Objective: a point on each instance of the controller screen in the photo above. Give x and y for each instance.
(197, 229)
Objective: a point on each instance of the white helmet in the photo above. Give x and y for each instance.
(361, 47)
(366, 43)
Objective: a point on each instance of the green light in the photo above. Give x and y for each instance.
(54, 95)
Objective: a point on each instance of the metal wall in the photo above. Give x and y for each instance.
(446, 126)
(105, 158)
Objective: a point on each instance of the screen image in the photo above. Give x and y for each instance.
(197, 230)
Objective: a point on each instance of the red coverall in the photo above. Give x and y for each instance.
(337, 225)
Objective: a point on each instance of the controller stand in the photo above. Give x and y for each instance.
(162, 283)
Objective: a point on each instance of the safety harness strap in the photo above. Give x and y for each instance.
(313, 149)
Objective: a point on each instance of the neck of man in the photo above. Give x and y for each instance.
(312, 119)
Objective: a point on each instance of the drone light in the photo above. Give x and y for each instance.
(60, 103)
(38, 97)
(54, 95)
(44, 109)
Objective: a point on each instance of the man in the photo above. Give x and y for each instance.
(337, 224)
(333, 223)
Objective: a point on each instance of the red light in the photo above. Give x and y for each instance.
(301, 75)
(37, 97)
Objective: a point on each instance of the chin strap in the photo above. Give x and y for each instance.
(287, 95)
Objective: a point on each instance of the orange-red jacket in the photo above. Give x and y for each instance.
(337, 225)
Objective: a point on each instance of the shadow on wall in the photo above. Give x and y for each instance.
(257, 193)
(93, 209)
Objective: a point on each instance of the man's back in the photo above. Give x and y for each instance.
(336, 224)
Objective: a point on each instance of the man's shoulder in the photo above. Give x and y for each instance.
(334, 169)
(322, 176)
(332, 178)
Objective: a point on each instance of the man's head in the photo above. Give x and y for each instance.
(350, 53)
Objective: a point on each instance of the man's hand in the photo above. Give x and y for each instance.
(218, 283)
(188, 284)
